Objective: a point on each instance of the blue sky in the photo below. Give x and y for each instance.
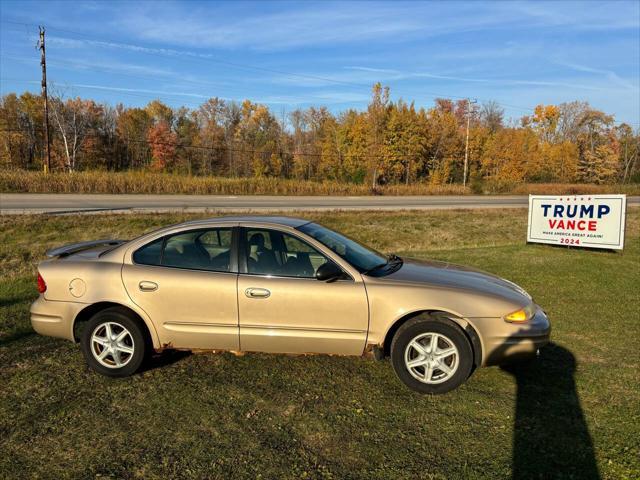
(516, 53)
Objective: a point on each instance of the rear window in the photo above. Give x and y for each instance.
(149, 254)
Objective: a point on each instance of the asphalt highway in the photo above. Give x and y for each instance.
(27, 203)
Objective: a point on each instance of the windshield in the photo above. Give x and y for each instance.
(362, 258)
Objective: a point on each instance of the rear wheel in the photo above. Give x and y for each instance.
(431, 354)
(113, 343)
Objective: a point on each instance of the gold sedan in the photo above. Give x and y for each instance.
(281, 285)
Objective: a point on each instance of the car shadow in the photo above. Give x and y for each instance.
(14, 337)
(17, 299)
(162, 359)
(550, 435)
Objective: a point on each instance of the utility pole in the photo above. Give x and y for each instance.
(466, 146)
(43, 63)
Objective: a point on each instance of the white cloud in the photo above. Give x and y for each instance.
(135, 90)
(335, 23)
(608, 74)
(84, 43)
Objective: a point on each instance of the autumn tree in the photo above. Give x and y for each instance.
(352, 141)
(629, 145)
(160, 112)
(511, 155)
(209, 135)
(492, 116)
(259, 131)
(544, 121)
(377, 113)
(21, 136)
(444, 144)
(132, 125)
(597, 145)
(74, 118)
(162, 142)
(403, 146)
(388, 142)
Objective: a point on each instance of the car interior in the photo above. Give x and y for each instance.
(203, 250)
(269, 252)
(276, 253)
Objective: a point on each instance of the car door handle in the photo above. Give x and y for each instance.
(148, 286)
(257, 292)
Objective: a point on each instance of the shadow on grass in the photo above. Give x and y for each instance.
(14, 337)
(551, 438)
(159, 360)
(17, 299)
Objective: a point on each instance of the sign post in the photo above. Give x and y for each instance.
(594, 221)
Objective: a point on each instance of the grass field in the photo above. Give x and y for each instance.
(574, 413)
(21, 181)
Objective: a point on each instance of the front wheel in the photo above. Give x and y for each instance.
(113, 343)
(431, 355)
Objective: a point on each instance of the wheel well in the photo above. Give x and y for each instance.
(85, 314)
(469, 332)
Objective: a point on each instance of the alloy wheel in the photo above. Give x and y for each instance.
(112, 345)
(431, 358)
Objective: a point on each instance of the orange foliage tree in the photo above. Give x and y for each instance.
(163, 145)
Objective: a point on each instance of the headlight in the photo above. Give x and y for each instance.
(522, 315)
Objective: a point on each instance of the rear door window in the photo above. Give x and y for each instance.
(208, 249)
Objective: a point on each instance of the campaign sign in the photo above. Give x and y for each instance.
(595, 221)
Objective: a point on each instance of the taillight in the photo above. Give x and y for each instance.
(42, 286)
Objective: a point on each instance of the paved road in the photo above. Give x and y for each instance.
(20, 203)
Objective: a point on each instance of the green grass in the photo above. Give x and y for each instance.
(265, 416)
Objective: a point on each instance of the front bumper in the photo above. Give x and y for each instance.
(505, 342)
(54, 319)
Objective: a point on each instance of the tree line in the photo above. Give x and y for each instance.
(391, 142)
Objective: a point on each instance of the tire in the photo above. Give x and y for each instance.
(419, 368)
(124, 353)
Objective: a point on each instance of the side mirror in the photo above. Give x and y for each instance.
(328, 272)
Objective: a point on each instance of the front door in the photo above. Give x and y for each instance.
(187, 284)
(283, 308)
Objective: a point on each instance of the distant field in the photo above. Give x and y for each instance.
(160, 183)
(575, 411)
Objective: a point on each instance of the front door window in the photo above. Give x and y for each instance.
(270, 252)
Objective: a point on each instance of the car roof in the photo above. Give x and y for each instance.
(266, 219)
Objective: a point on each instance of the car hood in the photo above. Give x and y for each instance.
(448, 275)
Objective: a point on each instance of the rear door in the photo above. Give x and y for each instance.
(187, 283)
(283, 308)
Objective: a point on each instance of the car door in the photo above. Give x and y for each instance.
(283, 308)
(187, 284)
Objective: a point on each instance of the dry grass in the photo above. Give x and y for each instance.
(162, 183)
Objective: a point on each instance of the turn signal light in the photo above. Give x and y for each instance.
(522, 315)
(42, 286)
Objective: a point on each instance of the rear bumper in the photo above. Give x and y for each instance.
(505, 342)
(54, 319)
